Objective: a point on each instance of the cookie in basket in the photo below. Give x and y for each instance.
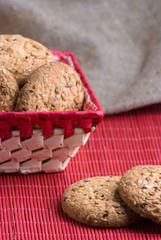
(140, 188)
(54, 86)
(22, 55)
(96, 202)
(8, 91)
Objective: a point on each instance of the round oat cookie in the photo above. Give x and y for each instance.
(54, 86)
(21, 56)
(96, 202)
(140, 188)
(8, 91)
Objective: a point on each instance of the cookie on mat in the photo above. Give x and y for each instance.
(54, 86)
(140, 188)
(8, 91)
(22, 55)
(96, 202)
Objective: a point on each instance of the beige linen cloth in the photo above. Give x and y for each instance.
(117, 43)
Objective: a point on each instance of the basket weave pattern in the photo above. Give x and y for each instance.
(45, 141)
(39, 153)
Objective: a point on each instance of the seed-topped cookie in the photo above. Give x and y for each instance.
(140, 188)
(54, 86)
(21, 56)
(8, 91)
(96, 202)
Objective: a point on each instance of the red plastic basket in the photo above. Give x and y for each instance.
(45, 141)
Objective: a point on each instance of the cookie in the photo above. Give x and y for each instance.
(8, 91)
(96, 202)
(54, 86)
(21, 56)
(140, 188)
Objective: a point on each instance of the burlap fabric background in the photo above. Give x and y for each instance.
(117, 43)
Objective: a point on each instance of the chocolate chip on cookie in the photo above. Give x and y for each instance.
(54, 86)
(8, 91)
(96, 202)
(21, 56)
(140, 188)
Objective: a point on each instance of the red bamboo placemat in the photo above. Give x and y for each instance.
(30, 205)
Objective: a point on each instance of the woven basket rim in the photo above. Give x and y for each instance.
(49, 120)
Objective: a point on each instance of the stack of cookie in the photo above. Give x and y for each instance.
(31, 80)
(114, 201)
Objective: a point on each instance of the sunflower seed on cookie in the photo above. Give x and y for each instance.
(8, 91)
(21, 56)
(140, 188)
(96, 202)
(54, 86)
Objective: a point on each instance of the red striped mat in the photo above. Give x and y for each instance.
(30, 205)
